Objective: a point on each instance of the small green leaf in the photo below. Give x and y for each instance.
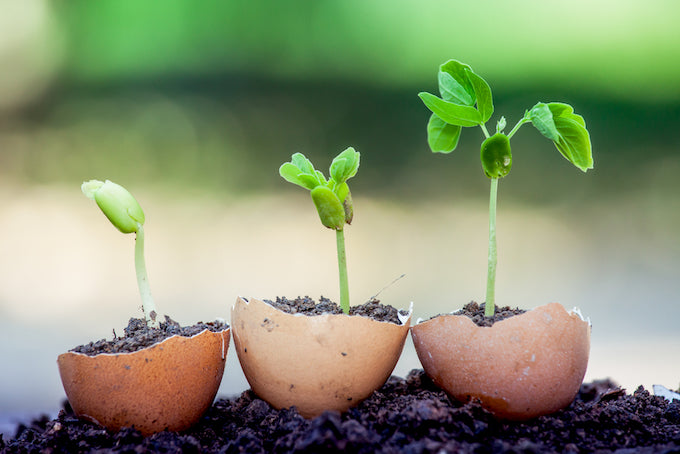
(451, 113)
(559, 109)
(330, 208)
(542, 118)
(451, 90)
(291, 173)
(117, 204)
(441, 136)
(301, 162)
(458, 71)
(345, 165)
(483, 94)
(574, 142)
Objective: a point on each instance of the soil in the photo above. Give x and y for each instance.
(408, 415)
(476, 313)
(138, 336)
(307, 306)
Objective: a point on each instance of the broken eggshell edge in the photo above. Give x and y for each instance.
(522, 367)
(315, 363)
(168, 385)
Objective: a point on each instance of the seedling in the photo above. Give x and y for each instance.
(121, 208)
(466, 101)
(332, 199)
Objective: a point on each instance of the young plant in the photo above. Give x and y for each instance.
(332, 199)
(121, 208)
(466, 101)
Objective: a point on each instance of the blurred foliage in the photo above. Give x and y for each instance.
(214, 95)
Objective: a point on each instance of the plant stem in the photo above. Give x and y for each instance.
(342, 268)
(493, 256)
(517, 126)
(148, 306)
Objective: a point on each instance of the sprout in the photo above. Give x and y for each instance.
(332, 199)
(121, 208)
(466, 101)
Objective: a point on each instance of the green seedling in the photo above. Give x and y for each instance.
(332, 199)
(121, 208)
(466, 101)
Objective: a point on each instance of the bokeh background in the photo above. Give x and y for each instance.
(194, 105)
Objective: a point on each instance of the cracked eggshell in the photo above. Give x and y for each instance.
(315, 363)
(522, 367)
(168, 385)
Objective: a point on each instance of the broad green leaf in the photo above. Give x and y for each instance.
(291, 173)
(345, 165)
(542, 118)
(483, 94)
(330, 208)
(458, 71)
(451, 90)
(574, 142)
(441, 136)
(451, 113)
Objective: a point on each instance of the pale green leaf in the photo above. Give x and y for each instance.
(458, 71)
(574, 142)
(483, 95)
(451, 113)
(452, 91)
(441, 136)
(542, 118)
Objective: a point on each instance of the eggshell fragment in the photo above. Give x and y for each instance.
(315, 363)
(522, 367)
(166, 386)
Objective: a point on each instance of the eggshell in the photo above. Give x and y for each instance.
(166, 386)
(522, 367)
(315, 363)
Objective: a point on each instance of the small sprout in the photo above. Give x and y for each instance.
(466, 101)
(125, 213)
(332, 199)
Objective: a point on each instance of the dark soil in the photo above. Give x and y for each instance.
(476, 313)
(307, 306)
(405, 416)
(138, 336)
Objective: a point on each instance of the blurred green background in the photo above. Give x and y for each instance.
(194, 105)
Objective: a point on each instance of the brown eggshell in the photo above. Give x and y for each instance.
(166, 386)
(315, 363)
(522, 367)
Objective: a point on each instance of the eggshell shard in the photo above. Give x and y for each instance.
(522, 367)
(166, 386)
(315, 363)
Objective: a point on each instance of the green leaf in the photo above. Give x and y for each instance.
(541, 117)
(483, 94)
(567, 130)
(451, 113)
(441, 136)
(291, 173)
(451, 90)
(301, 162)
(458, 71)
(330, 208)
(345, 165)
(574, 142)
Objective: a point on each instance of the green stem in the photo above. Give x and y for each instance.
(484, 130)
(493, 255)
(148, 306)
(342, 268)
(517, 126)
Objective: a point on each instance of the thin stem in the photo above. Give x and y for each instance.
(148, 306)
(493, 255)
(484, 130)
(342, 268)
(517, 126)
